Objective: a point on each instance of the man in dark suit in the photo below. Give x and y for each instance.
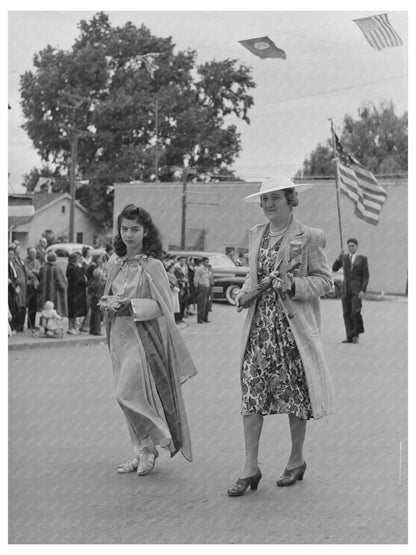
(355, 283)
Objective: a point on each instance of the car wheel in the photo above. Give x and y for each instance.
(231, 292)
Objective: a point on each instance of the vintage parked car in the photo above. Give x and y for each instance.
(228, 277)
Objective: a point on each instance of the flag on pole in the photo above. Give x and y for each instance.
(359, 185)
(378, 31)
(263, 47)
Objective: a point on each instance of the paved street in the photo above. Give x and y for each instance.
(67, 435)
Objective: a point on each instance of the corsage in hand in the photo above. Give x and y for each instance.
(114, 304)
(281, 279)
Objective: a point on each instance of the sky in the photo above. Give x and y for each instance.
(330, 69)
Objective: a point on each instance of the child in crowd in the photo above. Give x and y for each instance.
(50, 320)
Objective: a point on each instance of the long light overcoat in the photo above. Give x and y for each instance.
(178, 365)
(303, 308)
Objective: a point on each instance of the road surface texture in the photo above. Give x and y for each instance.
(67, 435)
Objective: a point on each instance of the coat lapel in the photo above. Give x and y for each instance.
(256, 239)
(294, 231)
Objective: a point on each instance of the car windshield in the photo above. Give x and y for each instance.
(220, 260)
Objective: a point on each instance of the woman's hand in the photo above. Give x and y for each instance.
(265, 282)
(237, 301)
(290, 279)
(119, 306)
(114, 305)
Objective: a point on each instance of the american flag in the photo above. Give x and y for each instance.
(359, 185)
(378, 31)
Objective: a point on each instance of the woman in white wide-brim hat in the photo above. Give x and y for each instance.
(283, 368)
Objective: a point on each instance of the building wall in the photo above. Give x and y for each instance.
(54, 219)
(218, 209)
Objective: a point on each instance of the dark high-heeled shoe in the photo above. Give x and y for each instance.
(290, 477)
(242, 484)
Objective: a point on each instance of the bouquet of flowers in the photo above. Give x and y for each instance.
(110, 301)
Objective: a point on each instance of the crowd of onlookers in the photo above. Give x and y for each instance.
(41, 294)
(191, 283)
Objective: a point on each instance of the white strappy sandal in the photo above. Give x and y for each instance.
(147, 462)
(129, 466)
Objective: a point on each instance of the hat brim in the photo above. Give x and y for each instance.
(300, 187)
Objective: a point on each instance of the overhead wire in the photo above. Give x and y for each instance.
(220, 46)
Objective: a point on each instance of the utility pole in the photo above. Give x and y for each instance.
(183, 227)
(157, 139)
(72, 188)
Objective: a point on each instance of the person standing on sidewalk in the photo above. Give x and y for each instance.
(77, 292)
(174, 290)
(13, 291)
(356, 276)
(41, 251)
(202, 282)
(21, 289)
(211, 287)
(95, 290)
(181, 273)
(149, 357)
(283, 367)
(190, 265)
(52, 286)
(33, 268)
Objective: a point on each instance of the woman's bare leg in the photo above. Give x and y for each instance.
(252, 425)
(297, 434)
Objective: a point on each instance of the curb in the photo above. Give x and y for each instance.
(45, 343)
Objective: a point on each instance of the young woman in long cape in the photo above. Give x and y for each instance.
(149, 357)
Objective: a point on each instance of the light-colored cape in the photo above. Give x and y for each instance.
(155, 284)
(302, 309)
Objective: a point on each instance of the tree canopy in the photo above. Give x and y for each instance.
(130, 125)
(378, 139)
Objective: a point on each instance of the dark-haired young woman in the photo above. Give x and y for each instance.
(149, 357)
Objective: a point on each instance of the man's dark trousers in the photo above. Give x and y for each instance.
(202, 303)
(351, 308)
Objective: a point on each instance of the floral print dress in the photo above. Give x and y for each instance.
(273, 380)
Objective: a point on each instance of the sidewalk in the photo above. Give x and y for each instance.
(26, 340)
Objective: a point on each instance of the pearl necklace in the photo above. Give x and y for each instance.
(280, 231)
(277, 233)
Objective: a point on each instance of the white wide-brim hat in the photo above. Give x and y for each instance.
(276, 183)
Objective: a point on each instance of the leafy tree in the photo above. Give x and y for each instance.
(378, 139)
(100, 95)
